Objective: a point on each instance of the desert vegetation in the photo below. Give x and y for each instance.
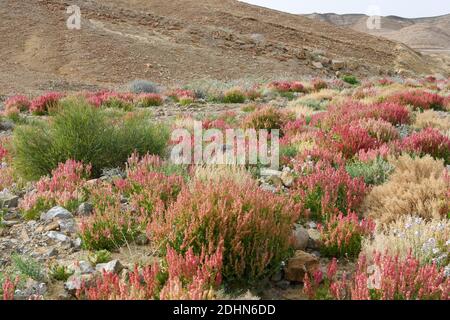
(359, 208)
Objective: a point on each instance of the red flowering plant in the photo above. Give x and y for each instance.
(181, 277)
(323, 191)
(347, 140)
(393, 113)
(146, 100)
(19, 102)
(341, 236)
(45, 103)
(385, 278)
(428, 141)
(64, 188)
(254, 225)
(287, 86)
(419, 99)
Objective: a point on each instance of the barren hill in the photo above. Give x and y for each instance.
(425, 34)
(178, 41)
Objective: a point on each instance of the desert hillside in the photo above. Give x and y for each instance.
(424, 34)
(178, 41)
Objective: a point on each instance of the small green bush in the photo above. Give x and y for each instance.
(60, 273)
(374, 173)
(234, 96)
(85, 134)
(28, 267)
(350, 79)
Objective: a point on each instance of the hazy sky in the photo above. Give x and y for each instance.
(404, 8)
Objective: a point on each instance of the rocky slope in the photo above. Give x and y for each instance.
(171, 41)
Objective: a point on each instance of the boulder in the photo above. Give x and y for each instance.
(301, 238)
(113, 266)
(85, 209)
(299, 265)
(287, 178)
(56, 212)
(8, 200)
(58, 236)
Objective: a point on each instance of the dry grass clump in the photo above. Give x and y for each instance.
(300, 110)
(432, 119)
(417, 187)
(427, 241)
(218, 172)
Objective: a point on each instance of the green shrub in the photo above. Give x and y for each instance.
(28, 267)
(85, 134)
(234, 96)
(350, 79)
(374, 173)
(100, 256)
(60, 273)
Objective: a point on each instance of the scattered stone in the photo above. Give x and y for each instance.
(113, 266)
(58, 236)
(56, 212)
(32, 288)
(76, 244)
(337, 65)
(317, 65)
(312, 225)
(10, 223)
(287, 179)
(81, 267)
(268, 187)
(301, 238)
(75, 281)
(11, 215)
(67, 225)
(299, 265)
(52, 252)
(8, 200)
(85, 209)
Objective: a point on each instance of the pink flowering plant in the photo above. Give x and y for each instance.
(64, 188)
(341, 236)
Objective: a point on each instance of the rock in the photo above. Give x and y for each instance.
(9, 223)
(11, 216)
(337, 65)
(269, 172)
(283, 284)
(268, 188)
(314, 239)
(276, 181)
(141, 240)
(76, 244)
(81, 267)
(58, 236)
(287, 179)
(8, 200)
(317, 65)
(67, 225)
(301, 238)
(312, 225)
(56, 212)
(32, 288)
(85, 209)
(113, 266)
(52, 252)
(52, 226)
(299, 265)
(75, 282)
